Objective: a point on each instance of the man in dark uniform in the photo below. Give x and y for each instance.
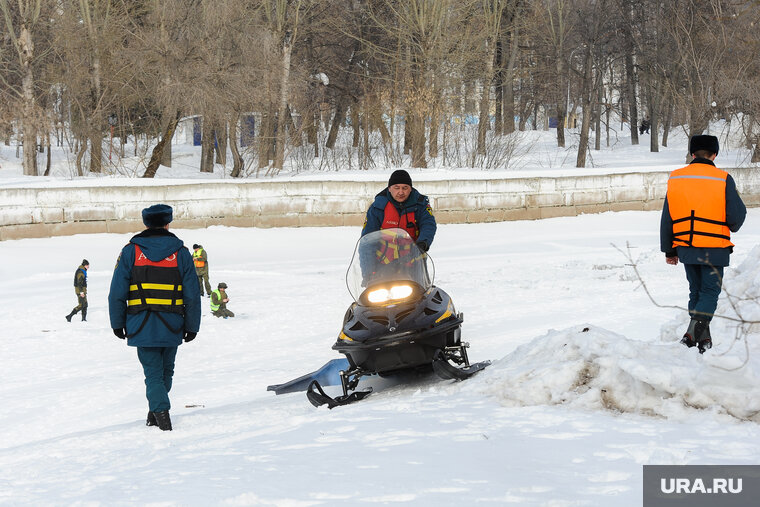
(80, 288)
(155, 302)
(702, 208)
(401, 206)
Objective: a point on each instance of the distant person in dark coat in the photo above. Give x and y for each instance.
(644, 126)
(155, 302)
(702, 208)
(80, 288)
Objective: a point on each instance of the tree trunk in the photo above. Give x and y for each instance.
(586, 109)
(355, 125)
(155, 157)
(207, 146)
(498, 123)
(340, 116)
(630, 73)
(668, 122)
(265, 140)
(365, 137)
(49, 160)
(408, 134)
(562, 102)
(220, 149)
(312, 133)
(598, 104)
(418, 141)
(237, 159)
(96, 149)
(509, 89)
(485, 100)
(293, 131)
(166, 153)
(279, 155)
(654, 117)
(27, 86)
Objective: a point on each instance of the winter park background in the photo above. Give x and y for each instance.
(588, 381)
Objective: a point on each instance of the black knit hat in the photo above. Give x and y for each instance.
(157, 216)
(707, 143)
(400, 177)
(195, 246)
(85, 262)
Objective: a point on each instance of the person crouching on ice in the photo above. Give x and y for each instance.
(219, 300)
(155, 303)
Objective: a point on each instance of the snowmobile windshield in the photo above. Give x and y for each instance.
(388, 268)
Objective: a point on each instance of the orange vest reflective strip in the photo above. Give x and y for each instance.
(697, 204)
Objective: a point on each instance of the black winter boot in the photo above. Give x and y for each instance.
(84, 314)
(151, 420)
(704, 340)
(688, 337)
(68, 317)
(163, 420)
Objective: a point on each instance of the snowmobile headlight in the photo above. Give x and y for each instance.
(394, 293)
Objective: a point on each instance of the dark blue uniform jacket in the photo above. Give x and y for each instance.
(416, 203)
(156, 244)
(735, 214)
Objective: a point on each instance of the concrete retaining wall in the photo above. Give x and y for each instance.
(65, 210)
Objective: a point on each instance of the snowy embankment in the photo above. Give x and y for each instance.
(593, 368)
(562, 417)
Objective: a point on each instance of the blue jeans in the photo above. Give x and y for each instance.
(704, 288)
(158, 366)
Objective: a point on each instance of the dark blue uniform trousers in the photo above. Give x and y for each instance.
(158, 366)
(704, 288)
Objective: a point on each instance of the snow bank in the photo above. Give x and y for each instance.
(593, 368)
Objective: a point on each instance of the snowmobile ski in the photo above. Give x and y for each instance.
(328, 375)
(444, 369)
(318, 397)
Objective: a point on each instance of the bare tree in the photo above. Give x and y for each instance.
(25, 21)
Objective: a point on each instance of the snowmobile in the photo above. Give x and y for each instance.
(399, 321)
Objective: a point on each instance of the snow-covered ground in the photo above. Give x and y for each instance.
(588, 382)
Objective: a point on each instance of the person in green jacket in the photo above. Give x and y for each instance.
(219, 301)
(80, 288)
(200, 259)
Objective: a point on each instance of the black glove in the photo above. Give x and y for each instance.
(190, 336)
(422, 245)
(120, 333)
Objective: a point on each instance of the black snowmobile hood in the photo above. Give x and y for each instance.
(157, 244)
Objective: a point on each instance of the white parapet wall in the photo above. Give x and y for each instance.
(98, 206)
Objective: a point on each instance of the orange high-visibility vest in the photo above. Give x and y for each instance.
(392, 220)
(199, 263)
(697, 204)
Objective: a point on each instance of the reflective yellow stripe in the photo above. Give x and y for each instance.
(158, 286)
(154, 301)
